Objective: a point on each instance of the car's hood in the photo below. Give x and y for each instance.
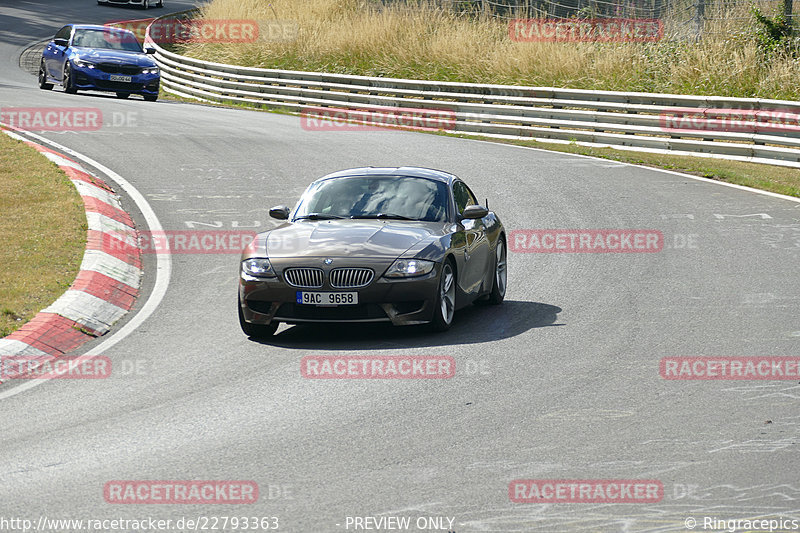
(348, 238)
(98, 55)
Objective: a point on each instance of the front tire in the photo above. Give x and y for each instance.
(256, 331)
(43, 78)
(500, 278)
(66, 80)
(445, 306)
(150, 97)
(123, 96)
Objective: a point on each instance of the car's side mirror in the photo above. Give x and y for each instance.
(474, 211)
(61, 42)
(281, 212)
(149, 50)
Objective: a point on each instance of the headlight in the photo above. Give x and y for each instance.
(258, 267)
(82, 63)
(406, 268)
(150, 70)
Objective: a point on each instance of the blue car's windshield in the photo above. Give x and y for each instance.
(385, 197)
(111, 38)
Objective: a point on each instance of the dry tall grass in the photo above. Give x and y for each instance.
(353, 36)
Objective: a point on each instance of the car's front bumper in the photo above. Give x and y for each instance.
(92, 79)
(402, 302)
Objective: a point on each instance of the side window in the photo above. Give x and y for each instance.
(63, 33)
(463, 196)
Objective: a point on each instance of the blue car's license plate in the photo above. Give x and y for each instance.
(115, 77)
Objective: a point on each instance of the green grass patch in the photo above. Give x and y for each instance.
(42, 233)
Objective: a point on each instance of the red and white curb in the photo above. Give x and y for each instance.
(108, 281)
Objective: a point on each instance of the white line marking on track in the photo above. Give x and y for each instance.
(163, 262)
(665, 171)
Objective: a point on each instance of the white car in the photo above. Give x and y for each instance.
(144, 4)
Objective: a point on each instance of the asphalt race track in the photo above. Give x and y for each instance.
(560, 382)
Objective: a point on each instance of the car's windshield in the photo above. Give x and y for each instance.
(389, 197)
(111, 38)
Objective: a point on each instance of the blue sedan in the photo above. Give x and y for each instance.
(99, 58)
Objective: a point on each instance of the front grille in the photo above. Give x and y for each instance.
(118, 85)
(304, 278)
(113, 68)
(351, 278)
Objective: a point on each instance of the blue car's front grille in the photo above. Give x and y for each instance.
(113, 68)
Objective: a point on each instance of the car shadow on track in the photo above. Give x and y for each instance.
(472, 325)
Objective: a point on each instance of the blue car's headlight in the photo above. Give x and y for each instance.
(259, 267)
(150, 70)
(406, 268)
(78, 62)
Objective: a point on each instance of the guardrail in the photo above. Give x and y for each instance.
(624, 120)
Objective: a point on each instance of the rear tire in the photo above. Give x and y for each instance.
(445, 306)
(256, 331)
(123, 96)
(43, 78)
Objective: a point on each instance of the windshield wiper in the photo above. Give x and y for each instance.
(384, 215)
(318, 216)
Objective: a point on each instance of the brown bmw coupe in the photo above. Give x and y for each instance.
(403, 245)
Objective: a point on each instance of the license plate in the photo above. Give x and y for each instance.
(327, 298)
(116, 77)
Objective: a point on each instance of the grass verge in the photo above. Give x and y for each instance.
(42, 233)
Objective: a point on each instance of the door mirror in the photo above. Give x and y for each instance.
(149, 50)
(474, 211)
(61, 42)
(281, 212)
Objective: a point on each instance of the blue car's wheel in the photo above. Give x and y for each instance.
(43, 78)
(123, 95)
(67, 81)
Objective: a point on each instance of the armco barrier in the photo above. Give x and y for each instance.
(634, 121)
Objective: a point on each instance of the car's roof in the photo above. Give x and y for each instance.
(414, 172)
(97, 27)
